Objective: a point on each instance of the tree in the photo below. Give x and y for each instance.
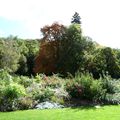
(76, 18)
(53, 32)
(97, 65)
(62, 50)
(112, 67)
(104, 61)
(45, 62)
(71, 51)
(28, 50)
(9, 56)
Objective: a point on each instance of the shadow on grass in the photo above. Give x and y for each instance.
(92, 107)
(84, 108)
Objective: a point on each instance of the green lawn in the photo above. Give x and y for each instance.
(81, 113)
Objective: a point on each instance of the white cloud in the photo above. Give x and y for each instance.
(100, 18)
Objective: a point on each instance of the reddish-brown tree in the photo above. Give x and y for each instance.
(46, 61)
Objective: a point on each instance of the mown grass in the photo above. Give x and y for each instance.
(81, 113)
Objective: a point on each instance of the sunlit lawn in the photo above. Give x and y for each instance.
(81, 113)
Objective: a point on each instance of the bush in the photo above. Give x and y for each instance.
(10, 94)
(25, 81)
(84, 86)
(44, 95)
(25, 103)
(108, 83)
(5, 77)
(97, 92)
(112, 87)
(53, 81)
(14, 91)
(39, 93)
(60, 95)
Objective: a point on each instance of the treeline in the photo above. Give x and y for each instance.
(17, 55)
(62, 50)
(73, 53)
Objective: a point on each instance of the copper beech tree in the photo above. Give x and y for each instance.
(46, 61)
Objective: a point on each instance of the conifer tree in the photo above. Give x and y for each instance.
(76, 18)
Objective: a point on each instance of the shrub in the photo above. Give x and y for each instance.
(107, 82)
(10, 95)
(60, 96)
(74, 89)
(5, 77)
(84, 86)
(112, 98)
(38, 78)
(53, 81)
(39, 93)
(112, 87)
(97, 92)
(44, 95)
(25, 103)
(14, 91)
(25, 81)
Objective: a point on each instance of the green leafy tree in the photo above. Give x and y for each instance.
(33, 49)
(71, 50)
(28, 51)
(9, 56)
(112, 65)
(103, 61)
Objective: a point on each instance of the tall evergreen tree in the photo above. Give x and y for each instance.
(76, 18)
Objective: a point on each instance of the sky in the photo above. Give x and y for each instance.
(24, 18)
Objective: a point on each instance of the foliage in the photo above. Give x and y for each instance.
(44, 95)
(17, 55)
(112, 65)
(28, 51)
(71, 51)
(53, 32)
(45, 62)
(83, 86)
(14, 91)
(25, 81)
(53, 82)
(5, 77)
(10, 95)
(9, 56)
(25, 103)
(112, 87)
(22, 92)
(103, 60)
